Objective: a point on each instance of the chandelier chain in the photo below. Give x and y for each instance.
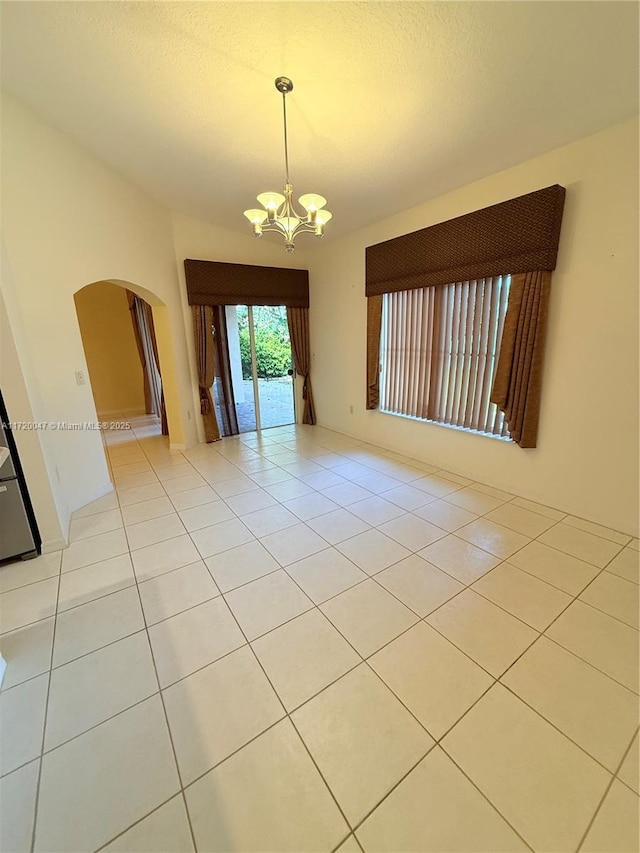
(286, 146)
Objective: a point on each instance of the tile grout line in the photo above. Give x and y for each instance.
(46, 712)
(316, 606)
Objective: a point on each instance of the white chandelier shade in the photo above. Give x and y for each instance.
(278, 212)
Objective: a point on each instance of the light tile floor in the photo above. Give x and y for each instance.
(294, 641)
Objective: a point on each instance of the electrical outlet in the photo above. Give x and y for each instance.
(80, 380)
(350, 410)
(188, 414)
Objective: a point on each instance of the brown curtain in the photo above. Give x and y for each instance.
(223, 391)
(374, 327)
(148, 401)
(205, 360)
(298, 322)
(518, 378)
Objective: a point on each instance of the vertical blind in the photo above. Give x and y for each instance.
(438, 353)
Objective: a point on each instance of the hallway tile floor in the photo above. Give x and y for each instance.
(293, 641)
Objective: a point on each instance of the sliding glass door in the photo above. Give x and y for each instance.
(261, 366)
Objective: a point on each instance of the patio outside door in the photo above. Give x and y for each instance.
(261, 366)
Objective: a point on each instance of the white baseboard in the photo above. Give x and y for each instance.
(52, 545)
(121, 414)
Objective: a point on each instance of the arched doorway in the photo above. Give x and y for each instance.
(129, 369)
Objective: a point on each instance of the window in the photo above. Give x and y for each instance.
(438, 353)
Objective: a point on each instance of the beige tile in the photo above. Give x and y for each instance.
(445, 515)
(626, 565)
(521, 520)
(635, 544)
(206, 730)
(154, 560)
(628, 771)
(22, 711)
(375, 510)
(106, 502)
(460, 559)
(595, 712)
(372, 551)
(488, 490)
(435, 485)
(137, 772)
(128, 497)
(221, 537)
(91, 626)
(436, 808)
(240, 565)
(581, 544)
(431, 677)
(268, 796)
(265, 603)
(194, 497)
(325, 574)
(299, 542)
(362, 739)
(322, 480)
(303, 657)
(491, 637)
(183, 484)
(615, 596)
(349, 846)
(368, 616)
(602, 641)
(135, 513)
(408, 497)
(23, 572)
(288, 489)
(418, 584)
(94, 550)
(28, 604)
(250, 501)
(94, 581)
(560, 570)
(525, 596)
(545, 786)
(269, 520)
(171, 472)
(165, 830)
(92, 525)
(27, 652)
(541, 509)
(193, 639)
(134, 481)
(346, 494)
(473, 501)
(412, 532)
(93, 688)
(337, 526)
(615, 827)
(154, 531)
(17, 808)
(310, 506)
(124, 468)
(598, 530)
(175, 591)
(494, 538)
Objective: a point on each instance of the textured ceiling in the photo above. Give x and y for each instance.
(394, 102)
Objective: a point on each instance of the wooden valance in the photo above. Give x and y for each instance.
(515, 236)
(217, 283)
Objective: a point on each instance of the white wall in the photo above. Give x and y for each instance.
(194, 238)
(68, 220)
(586, 461)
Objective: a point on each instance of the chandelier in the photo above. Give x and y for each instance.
(279, 213)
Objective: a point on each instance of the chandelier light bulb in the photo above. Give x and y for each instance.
(279, 213)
